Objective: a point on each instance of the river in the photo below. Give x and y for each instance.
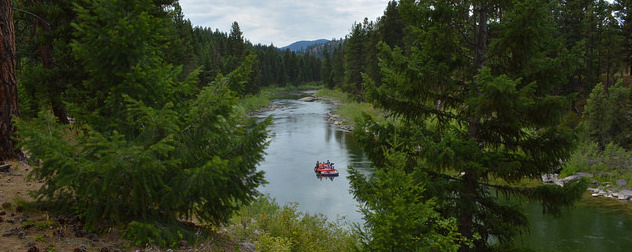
(300, 135)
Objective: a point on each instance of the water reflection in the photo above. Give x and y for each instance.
(299, 136)
(320, 177)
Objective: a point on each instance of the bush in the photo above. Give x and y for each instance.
(154, 233)
(275, 228)
(613, 163)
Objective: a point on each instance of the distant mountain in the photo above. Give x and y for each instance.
(319, 49)
(304, 45)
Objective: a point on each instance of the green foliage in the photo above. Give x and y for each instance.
(121, 44)
(48, 72)
(275, 228)
(608, 165)
(397, 217)
(337, 95)
(583, 159)
(268, 243)
(607, 115)
(204, 168)
(143, 233)
(474, 103)
(354, 60)
(251, 103)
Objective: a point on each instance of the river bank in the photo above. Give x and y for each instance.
(617, 191)
(334, 118)
(593, 224)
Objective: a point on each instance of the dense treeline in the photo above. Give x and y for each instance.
(50, 74)
(597, 30)
(142, 129)
(482, 91)
(129, 113)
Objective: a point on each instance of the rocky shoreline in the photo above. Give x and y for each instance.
(332, 118)
(597, 189)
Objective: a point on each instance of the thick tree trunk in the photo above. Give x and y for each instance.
(8, 84)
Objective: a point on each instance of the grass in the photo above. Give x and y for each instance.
(337, 95)
(349, 109)
(608, 165)
(251, 103)
(274, 228)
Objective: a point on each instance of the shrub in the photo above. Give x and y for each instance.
(275, 228)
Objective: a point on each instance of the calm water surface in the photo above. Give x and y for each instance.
(300, 135)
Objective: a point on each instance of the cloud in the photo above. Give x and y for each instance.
(285, 21)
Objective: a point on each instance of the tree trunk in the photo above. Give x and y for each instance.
(470, 178)
(54, 95)
(8, 84)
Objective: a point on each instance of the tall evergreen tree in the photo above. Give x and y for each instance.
(355, 61)
(143, 150)
(624, 13)
(606, 115)
(327, 70)
(391, 26)
(235, 47)
(475, 99)
(338, 66)
(122, 52)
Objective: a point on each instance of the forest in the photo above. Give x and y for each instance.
(127, 112)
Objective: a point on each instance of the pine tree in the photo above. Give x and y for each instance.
(146, 149)
(474, 93)
(397, 217)
(327, 70)
(121, 45)
(338, 66)
(624, 13)
(606, 116)
(354, 61)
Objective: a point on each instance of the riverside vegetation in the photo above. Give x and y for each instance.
(130, 118)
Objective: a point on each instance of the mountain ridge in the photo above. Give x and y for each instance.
(304, 44)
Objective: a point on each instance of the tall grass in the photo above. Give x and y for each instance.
(274, 228)
(350, 110)
(608, 165)
(274, 90)
(335, 95)
(251, 103)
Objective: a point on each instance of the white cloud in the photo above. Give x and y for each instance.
(285, 21)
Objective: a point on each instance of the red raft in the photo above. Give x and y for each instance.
(324, 170)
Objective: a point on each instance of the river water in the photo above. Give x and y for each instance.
(300, 135)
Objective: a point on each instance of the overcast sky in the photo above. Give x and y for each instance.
(282, 22)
